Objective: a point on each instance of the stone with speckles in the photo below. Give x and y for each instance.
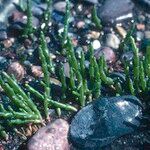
(104, 120)
(51, 137)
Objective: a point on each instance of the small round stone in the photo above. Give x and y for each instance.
(37, 71)
(96, 44)
(147, 34)
(3, 35)
(112, 41)
(17, 70)
(108, 53)
(61, 6)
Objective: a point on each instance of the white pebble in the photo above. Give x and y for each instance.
(96, 44)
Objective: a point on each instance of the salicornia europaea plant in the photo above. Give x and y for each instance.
(47, 15)
(139, 81)
(22, 109)
(47, 68)
(95, 18)
(84, 83)
(64, 34)
(28, 30)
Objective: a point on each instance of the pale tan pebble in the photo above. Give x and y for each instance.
(121, 31)
(55, 81)
(17, 70)
(37, 71)
(52, 56)
(94, 34)
(7, 43)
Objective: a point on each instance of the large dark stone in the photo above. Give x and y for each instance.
(115, 10)
(104, 120)
(92, 1)
(144, 2)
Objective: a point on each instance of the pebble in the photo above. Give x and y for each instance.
(7, 8)
(92, 1)
(16, 16)
(27, 43)
(1, 147)
(19, 20)
(80, 24)
(115, 10)
(112, 41)
(51, 137)
(17, 70)
(3, 31)
(93, 35)
(96, 44)
(121, 31)
(146, 3)
(104, 120)
(139, 36)
(7, 43)
(108, 53)
(3, 62)
(147, 34)
(61, 6)
(127, 57)
(3, 35)
(37, 71)
(37, 11)
(140, 26)
(66, 69)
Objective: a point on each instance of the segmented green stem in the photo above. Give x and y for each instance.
(95, 18)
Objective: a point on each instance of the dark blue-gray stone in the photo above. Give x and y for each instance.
(115, 10)
(144, 2)
(104, 120)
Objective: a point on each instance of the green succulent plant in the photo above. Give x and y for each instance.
(47, 15)
(84, 83)
(28, 30)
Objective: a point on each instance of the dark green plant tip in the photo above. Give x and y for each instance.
(47, 15)
(66, 23)
(28, 30)
(3, 134)
(95, 19)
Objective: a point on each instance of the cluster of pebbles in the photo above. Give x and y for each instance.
(117, 17)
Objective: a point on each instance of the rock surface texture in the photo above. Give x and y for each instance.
(104, 120)
(51, 137)
(115, 10)
(144, 2)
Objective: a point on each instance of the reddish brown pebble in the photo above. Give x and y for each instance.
(17, 70)
(27, 43)
(51, 137)
(1, 147)
(37, 71)
(7, 43)
(17, 16)
(140, 27)
(108, 53)
(80, 24)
